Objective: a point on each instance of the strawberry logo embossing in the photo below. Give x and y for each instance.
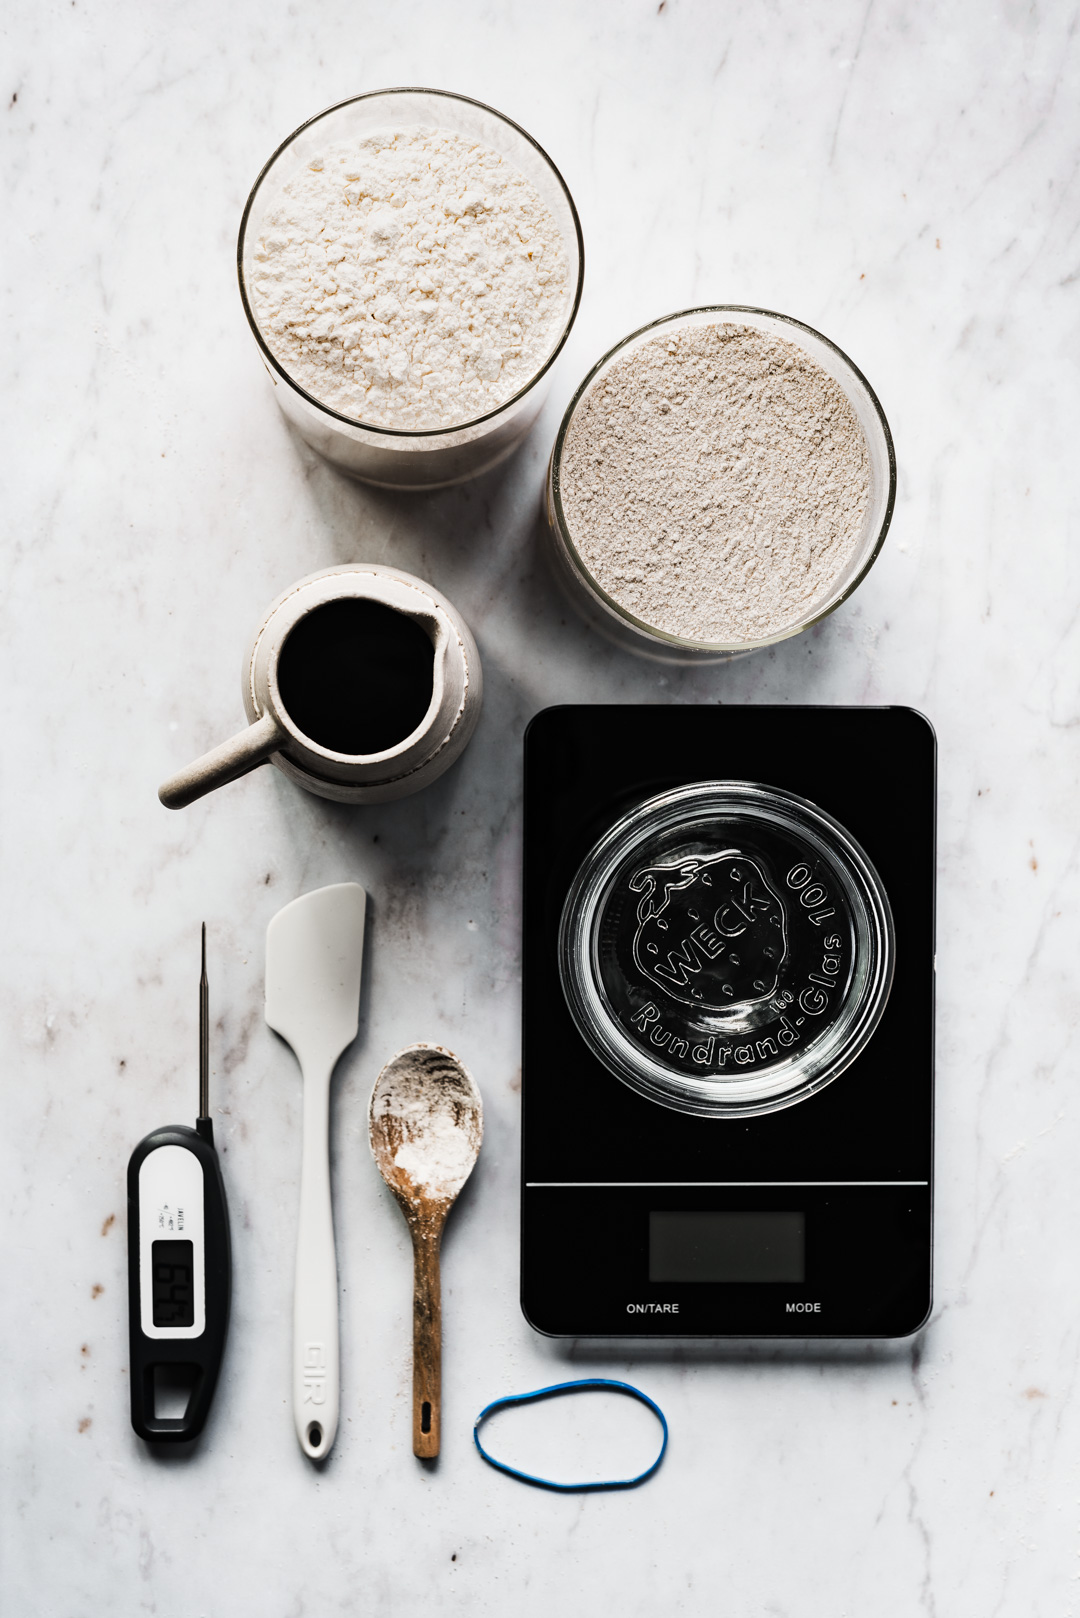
(711, 932)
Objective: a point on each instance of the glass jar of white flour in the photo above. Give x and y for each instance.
(411, 264)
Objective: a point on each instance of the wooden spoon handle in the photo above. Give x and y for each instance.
(427, 1343)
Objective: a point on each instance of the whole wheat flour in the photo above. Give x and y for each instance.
(410, 279)
(715, 483)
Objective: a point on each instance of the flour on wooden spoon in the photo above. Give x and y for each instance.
(425, 1107)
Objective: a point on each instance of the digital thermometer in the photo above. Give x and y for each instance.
(179, 1267)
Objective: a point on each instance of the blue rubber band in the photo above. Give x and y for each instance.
(548, 1393)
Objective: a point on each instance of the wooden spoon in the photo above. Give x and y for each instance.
(425, 1123)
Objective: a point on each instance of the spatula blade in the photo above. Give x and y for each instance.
(314, 954)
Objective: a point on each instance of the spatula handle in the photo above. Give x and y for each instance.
(315, 1305)
(427, 1342)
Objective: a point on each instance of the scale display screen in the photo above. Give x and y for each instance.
(173, 1269)
(727, 1247)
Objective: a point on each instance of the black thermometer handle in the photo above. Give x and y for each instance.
(200, 1356)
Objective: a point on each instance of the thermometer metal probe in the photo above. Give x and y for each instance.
(179, 1266)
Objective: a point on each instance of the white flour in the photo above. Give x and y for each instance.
(423, 1101)
(715, 483)
(410, 279)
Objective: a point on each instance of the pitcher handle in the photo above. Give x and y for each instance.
(225, 763)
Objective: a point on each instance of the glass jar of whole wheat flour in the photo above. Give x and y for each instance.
(722, 479)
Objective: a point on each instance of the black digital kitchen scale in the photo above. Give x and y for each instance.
(728, 1021)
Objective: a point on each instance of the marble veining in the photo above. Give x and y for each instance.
(901, 176)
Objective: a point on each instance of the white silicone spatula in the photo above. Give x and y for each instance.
(314, 949)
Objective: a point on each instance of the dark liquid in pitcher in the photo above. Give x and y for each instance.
(355, 676)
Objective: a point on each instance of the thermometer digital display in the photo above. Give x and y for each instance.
(172, 1266)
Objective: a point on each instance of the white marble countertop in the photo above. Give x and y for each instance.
(900, 176)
